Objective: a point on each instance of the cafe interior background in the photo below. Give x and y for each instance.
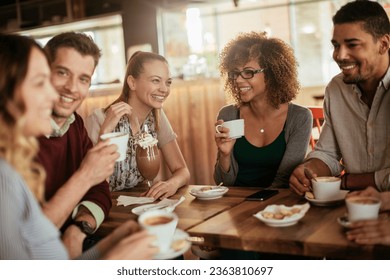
(190, 34)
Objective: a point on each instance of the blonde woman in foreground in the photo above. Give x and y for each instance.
(26, 102)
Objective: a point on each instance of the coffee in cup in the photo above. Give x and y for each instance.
(162, 224)
(120, 139)
(362, 208)
(157, 220)
(236, 128)
(326, 188)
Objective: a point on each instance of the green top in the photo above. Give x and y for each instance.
(258, 165)
(297, 130)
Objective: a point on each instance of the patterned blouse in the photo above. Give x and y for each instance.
(126, 174)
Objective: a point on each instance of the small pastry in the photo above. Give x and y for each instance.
(309, 195)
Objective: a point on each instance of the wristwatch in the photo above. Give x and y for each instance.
(84, 226)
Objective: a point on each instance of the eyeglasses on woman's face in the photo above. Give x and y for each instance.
(245, 74)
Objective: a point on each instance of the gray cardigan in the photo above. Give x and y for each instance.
(297, 130)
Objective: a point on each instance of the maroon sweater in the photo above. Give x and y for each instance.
(62, 156)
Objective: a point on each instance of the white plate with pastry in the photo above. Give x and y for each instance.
(281, 215)
(208, 193)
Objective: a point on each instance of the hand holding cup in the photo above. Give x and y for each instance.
(120, 139)
(236, 128)
(162, 224)
(362, 208)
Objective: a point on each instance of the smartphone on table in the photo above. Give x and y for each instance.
(262, 195)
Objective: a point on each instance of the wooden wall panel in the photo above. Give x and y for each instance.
(192, 108)
(94, 102)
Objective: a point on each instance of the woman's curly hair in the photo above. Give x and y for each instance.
(276, 56)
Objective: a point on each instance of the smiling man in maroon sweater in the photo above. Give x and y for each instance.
(77, 194)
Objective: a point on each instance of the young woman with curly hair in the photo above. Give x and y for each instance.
(261, 78)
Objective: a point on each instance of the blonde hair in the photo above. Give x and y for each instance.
(20, 151)
(17, 149)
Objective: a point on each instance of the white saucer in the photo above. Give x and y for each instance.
(209, 195)
(171, 254)
(344, 222)
(337, 200)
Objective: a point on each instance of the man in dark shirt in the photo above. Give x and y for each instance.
(77, 193)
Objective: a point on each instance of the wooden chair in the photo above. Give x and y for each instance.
(318, 118)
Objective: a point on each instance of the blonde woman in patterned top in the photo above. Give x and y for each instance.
(146, 87)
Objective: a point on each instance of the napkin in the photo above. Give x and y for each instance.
(127, 200)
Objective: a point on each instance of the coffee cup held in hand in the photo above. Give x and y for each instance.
(120, 139)
(161, 224)
(362, 208)
(326, 188)
(236, 128)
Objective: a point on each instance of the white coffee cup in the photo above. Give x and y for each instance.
(120, 139)
(236, 128)
(162, 224)
(326, 188)
(362, 208)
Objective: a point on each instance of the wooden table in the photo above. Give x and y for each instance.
(228, 222)
(191, 212)
(317, 234)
